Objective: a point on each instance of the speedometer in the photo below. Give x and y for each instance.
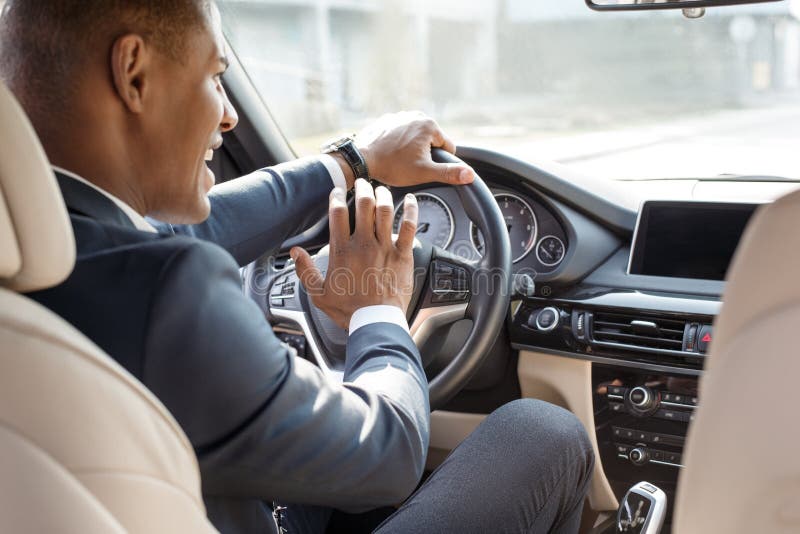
(435, 225)
(520, 222)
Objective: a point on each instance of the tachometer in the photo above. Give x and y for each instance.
(520, 222)
(435, 224)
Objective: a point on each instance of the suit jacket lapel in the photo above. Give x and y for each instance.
(83, 200)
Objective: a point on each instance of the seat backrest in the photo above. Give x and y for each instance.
(742, 467)
(84, 447)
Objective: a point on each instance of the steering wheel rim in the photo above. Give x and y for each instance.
(485, 301)
(490, 287)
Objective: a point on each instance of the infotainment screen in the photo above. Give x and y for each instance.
(688, 239)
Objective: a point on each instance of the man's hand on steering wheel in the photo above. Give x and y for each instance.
(397, 149)
(368, 267)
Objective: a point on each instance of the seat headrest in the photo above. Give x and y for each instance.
(37, 247)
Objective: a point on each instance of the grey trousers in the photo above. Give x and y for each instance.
(526, 468)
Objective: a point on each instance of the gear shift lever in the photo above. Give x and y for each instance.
(642, 511)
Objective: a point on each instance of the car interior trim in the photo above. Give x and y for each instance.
(609, 361)
(301, 319)
(567, 382)
(596, 199)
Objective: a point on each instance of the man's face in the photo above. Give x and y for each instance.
(189, 112)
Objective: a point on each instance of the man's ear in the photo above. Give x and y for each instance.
(130, 63)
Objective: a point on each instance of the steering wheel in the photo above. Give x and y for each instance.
(447, 288)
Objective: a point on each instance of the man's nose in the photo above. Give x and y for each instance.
(229, 116)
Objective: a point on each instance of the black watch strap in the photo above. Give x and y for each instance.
(352, 155)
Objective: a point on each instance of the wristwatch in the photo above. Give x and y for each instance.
(347, 148)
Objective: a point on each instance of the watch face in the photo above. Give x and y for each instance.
(333, 145)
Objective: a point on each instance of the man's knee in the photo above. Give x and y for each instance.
(546, 428)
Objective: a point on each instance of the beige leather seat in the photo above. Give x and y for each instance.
(742, 457)
(83, 446)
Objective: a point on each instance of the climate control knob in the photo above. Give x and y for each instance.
(642, 398)
(638, 456)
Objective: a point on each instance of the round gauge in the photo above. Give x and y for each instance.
(520, 222)
(550, 251)
(435, 225)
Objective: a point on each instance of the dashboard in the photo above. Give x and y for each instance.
(639, 304)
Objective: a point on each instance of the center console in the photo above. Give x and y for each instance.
(641, 423)
(647, 353)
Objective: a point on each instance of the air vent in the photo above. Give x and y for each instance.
(632, 332)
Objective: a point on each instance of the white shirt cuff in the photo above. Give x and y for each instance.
(337, 175)
(378, 314)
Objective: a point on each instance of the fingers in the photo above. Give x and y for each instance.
(384, 215)
(408, 226)
(440, 140)
(307, 272)
(365, 209)
(339, 218)
(449, 173)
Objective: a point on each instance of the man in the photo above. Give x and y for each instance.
(127, 100)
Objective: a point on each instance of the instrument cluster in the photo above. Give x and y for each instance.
(538, 240)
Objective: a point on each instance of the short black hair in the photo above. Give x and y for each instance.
(44, 42)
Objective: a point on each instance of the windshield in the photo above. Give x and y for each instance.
(623, 96)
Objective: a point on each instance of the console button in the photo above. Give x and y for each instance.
(685, 416)
(680, 399)
(655, 438)
(616, 406)
(638, 396)
(667, 397)
(622, 449)
(676, 441)
(616, 390)
(704, 338)
(547, 319)
(638, 456)
(649, 488)
(617, 431)
(656, 455)
(642, 436)
(672, 415)
(672, 457)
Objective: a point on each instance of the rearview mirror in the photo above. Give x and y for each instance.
(630, 5)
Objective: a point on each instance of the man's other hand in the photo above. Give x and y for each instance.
(397, 149)
(368, 267)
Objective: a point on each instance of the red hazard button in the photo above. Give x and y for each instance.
(704, 338)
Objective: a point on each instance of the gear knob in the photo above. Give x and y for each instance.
(643, 510)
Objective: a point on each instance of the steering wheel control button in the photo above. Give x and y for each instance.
(450, 283)
(547, 319)
(704, 338)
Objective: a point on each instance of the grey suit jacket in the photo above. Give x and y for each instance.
(265, 424)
